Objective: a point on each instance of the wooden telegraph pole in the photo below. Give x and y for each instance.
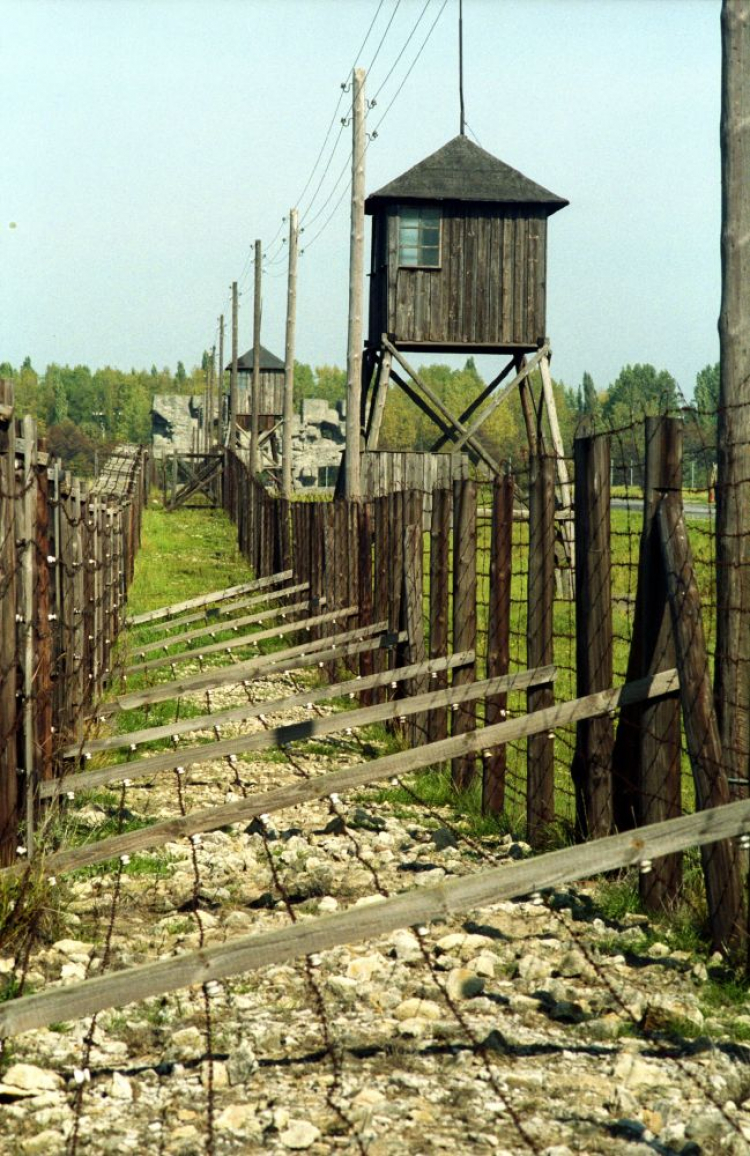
(291, 326)
(255, 411)
(233, 375)
(732, 678)
(352, 479)
(220, 383)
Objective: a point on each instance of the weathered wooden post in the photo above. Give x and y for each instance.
(659, 782)
(440, 529)
(540, 748)
(721, 864)
(464, 614)
(498, 637)
(9, 816)
(592, 762)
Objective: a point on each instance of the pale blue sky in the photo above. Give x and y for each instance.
(145, 145)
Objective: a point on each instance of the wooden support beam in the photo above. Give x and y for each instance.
(721, 864)
(377, 408)
(250, 639)
(282, 736)
(273, 706)
(474, 405)
(417, 906)
(331, 647)
(438, 405)
(177, 608)
(362, 774)
(214, 623)
(522, 373)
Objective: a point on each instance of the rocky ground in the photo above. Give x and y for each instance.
(530, 1026)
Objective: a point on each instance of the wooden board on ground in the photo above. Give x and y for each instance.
(416, 906)
(177, 608)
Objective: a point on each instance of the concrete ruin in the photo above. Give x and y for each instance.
(318, 439)
(176, 422)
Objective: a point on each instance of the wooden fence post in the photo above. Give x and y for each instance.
(8, 655)
(26, 505)
(412, 600)
(540, 749)
(592, 762)
(659, 785)
(440, 529)
(721, 864)
(498, 637)
(464, 614)
(43, 630)
(364, 598)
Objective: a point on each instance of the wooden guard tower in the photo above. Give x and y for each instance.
(459, 265)
(271, 407)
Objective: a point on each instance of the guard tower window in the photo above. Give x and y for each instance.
(419, 237)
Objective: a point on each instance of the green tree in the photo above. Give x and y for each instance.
(638, 391)
(706, 393)
(60, 411)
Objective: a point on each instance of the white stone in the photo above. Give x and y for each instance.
(120, 1087)
(300, 1134)
(425, 1009)
(463, 984)
(29, 1080)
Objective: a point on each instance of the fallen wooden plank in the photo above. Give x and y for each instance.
(237, 673)
(362, 775)
(296, 732)
(208, 599)
(249, 639)
(274, 706)
(416, 906)
(213, 624)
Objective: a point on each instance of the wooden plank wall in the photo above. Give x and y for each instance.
(490, 288)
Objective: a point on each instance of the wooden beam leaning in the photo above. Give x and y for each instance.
(438, 405)
(416, 906)
(362, 775)
(721, 865)
(294, 657)
(211, 625)
(177, 608)
(523, 372)
(292, 732)
(474, 405)
(252, 710)
(249, 639)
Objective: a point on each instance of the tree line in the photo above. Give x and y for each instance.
(83, 411)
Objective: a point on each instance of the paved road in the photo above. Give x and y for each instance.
(692, 509)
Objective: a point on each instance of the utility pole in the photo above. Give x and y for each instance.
(255, 409)
(211, 391)
(233, 376)
(291, 327)
(220, 384)
(732, 666)
(352, 479)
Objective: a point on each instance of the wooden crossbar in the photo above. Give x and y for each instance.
(249, 639)
(274, 706)
(262, 664)
(296, 732)
(415, 906)
(362, 775)
(177, 608)
(210, 625)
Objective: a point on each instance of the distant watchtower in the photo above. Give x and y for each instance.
(459, 264)
(271, 398)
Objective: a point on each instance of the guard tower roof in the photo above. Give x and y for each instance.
(462, 171)
(267, 361)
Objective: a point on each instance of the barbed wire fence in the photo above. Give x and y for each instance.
(435, 568)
